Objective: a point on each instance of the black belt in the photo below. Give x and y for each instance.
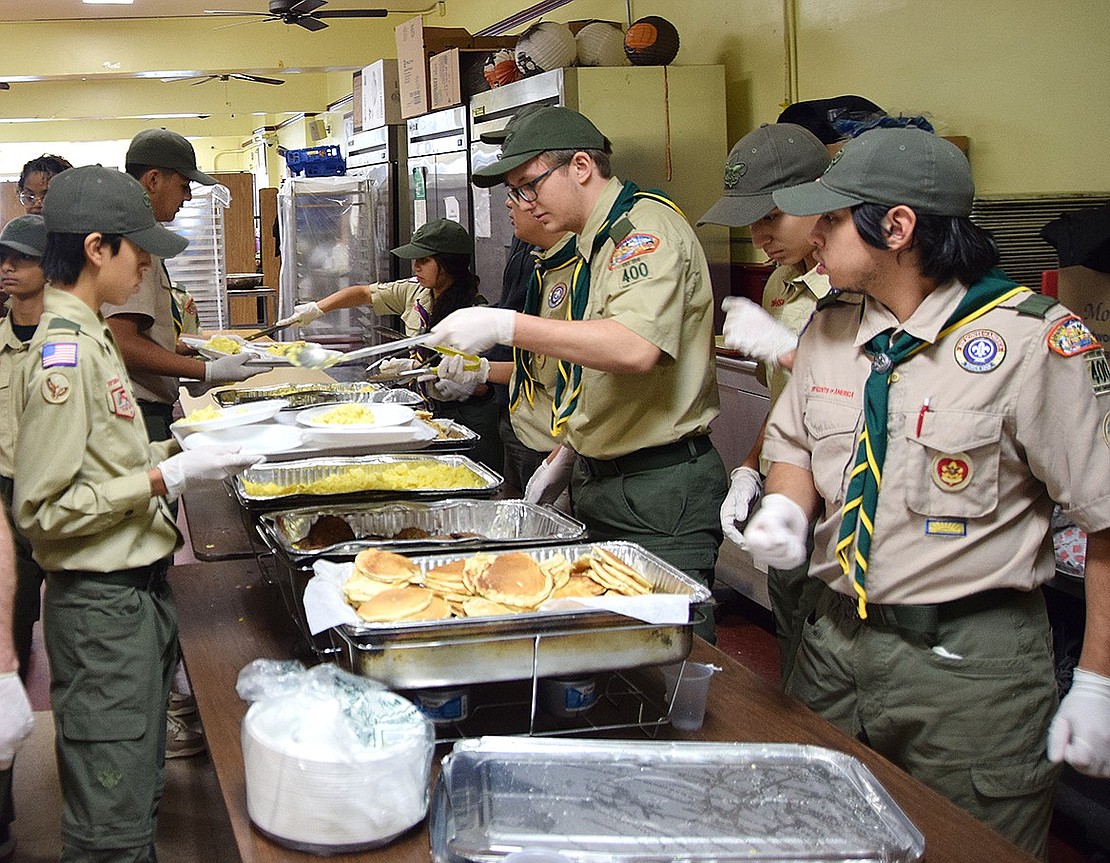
(650, 458)
(149, 577)
(157, 408)
(920, 619)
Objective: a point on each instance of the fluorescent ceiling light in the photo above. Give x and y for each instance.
(108, 2)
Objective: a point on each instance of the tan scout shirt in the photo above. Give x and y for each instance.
(82, 496)
(969, 481)
(656, 284)
(400, 298)
(154, 303)
(13, 353)
(790, 296)
(532, 422)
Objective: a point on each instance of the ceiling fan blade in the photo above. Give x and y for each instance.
(309, 23)
(257, 79)
(304, 7)
(4, 85)
(353, 13)
(203, 80)
(233, 12)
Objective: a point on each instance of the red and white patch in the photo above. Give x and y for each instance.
(122, 403)
(1071, 337)
(633, 246)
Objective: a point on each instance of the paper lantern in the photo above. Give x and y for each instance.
(601, 43)
(651, 41)
(545, 46)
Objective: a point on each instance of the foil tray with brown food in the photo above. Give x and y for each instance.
(299, 395)
(414, 526)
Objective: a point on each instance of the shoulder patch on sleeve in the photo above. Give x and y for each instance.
(63, 324)
(633, 246)
(59, 354)
(1036, 305)
(1070, 337)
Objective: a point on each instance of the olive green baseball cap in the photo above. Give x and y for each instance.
(437, 237)
(161, 148)
(890, 167)
(25, 234)
(93, 198)
(550, 128)
(772, 157)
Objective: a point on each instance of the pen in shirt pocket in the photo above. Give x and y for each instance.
(921, 415)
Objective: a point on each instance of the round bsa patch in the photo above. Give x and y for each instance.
(980, 351)
(557, 295)
(55, 388)
(951, 471)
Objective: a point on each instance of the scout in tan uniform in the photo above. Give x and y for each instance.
(772, 157)
(929, 431)
(637, 382)
(90, 494)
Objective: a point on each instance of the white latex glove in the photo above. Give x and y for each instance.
(743, 492)
(776, 534)
(1080, 731)
(749, 329)
(16, 718)
(230, 368)
(203, 463)
(449, 391)
(303, 315)
(475, 330)
(454, 369)
(551, 477)
(396, 365)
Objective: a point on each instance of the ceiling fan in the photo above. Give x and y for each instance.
(241, 76)
(304, 13)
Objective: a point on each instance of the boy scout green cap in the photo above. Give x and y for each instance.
(25, 234)
(500, 135)
(439, 236)
(551, 128)
(889, 167)
(92, 198)
(161, 148)
(772, 157)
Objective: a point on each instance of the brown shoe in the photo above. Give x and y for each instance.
(182, 706)
(182, 738)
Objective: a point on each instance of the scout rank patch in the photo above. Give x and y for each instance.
(56, 388)
(122, 405)
(980, 351)
(59, 354)
(951, 471)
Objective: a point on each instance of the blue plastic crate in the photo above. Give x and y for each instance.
(326, 161)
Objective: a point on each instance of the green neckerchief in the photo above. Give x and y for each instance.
(568, 385)
(861, 501)
(524, 381)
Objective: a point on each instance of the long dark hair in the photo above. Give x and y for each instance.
(44, 164)
(463, 291)
(949, 247)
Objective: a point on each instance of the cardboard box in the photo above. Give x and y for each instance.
(1087, 293)
(356, 100)
(455, 76)
(381, 95)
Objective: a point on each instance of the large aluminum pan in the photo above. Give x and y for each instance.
(655, 802)
(299, 395)
(290, 473)
(460, 651)
(448, 525)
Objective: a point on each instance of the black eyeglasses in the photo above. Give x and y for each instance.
(526, 193)
(27, 197)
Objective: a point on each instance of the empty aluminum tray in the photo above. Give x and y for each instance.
(447, 525)
(292, 473)
(654, 801)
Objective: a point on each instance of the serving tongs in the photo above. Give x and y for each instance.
(268, 331)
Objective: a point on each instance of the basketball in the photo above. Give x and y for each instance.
(651, 41)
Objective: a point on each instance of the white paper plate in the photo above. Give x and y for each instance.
(385, 415)
(240, 415)
(262, 439)
(363, 436)
(201, 346)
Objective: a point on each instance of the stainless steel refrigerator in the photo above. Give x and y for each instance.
(667, 127)
(437, 174)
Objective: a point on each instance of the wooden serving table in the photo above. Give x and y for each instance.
(231, 614)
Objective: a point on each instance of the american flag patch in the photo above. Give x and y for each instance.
(59, 354)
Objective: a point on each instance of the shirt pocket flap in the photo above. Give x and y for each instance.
(103, 726)
(1014, 780)
(823, 419)
(956, 431)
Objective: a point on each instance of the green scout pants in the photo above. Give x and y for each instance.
(28, 586)
(673, 512)
(965, 710)
(112, 643)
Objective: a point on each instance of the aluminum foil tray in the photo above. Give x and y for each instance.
(655, 801)
(312, 470)
(299, 395)
(419, 654)
(452, 524)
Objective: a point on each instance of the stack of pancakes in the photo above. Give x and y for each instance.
(387, 587)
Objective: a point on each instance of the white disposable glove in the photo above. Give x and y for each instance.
(475, 330)
(303, 315)
(203, 463)
(454, 369)
(16, 719)
(743, 492)
(396, 365)
(230, 368)
(449, 391)
(551, 477)
(1080, 731)
(749, 329)
(776, 534)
